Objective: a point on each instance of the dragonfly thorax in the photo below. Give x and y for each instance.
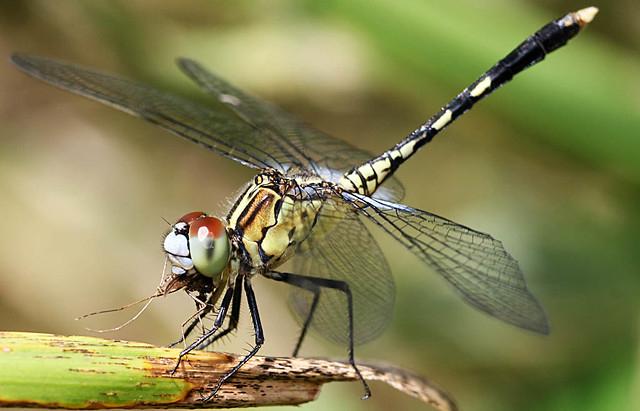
(273, 216)
(198, 244)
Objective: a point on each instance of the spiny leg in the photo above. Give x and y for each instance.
(193, 320)
(312, 283)
(234, 318)
(307, 321)
(224, 306)
(203, 311)
(257, 327)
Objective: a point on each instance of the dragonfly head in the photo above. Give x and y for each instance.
(198, 244)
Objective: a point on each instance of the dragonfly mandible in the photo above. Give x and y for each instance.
(308, 202)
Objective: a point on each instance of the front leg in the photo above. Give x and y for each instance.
(224, 307)
(234, 318)
(203, 311)
(259, 337)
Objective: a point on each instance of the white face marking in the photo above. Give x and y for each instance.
(407, 149)
(177, 270)
(182, 262)
(443, 120)
(481, 87)
(176, 244)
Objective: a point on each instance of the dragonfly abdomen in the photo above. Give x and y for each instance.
(366, 178)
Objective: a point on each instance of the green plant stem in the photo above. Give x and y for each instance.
(51, 371)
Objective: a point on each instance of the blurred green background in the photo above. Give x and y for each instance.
(550, 164)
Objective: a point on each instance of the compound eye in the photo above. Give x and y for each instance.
(209, 246)
(189, 217)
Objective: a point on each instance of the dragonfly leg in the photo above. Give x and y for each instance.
(307, 322)
(313, 283)
(224, 306)
(259, 335)
(203, 311)
(234, 318)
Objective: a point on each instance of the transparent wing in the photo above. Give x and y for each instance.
(475, 263)
(216, 129)
(341, 247)
(327, 156)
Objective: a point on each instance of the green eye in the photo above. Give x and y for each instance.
(209, 246)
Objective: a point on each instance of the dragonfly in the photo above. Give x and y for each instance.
(308, 203)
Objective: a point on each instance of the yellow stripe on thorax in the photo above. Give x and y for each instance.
(265, 234)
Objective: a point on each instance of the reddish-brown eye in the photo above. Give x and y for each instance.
(209, 245)
(189, 217)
